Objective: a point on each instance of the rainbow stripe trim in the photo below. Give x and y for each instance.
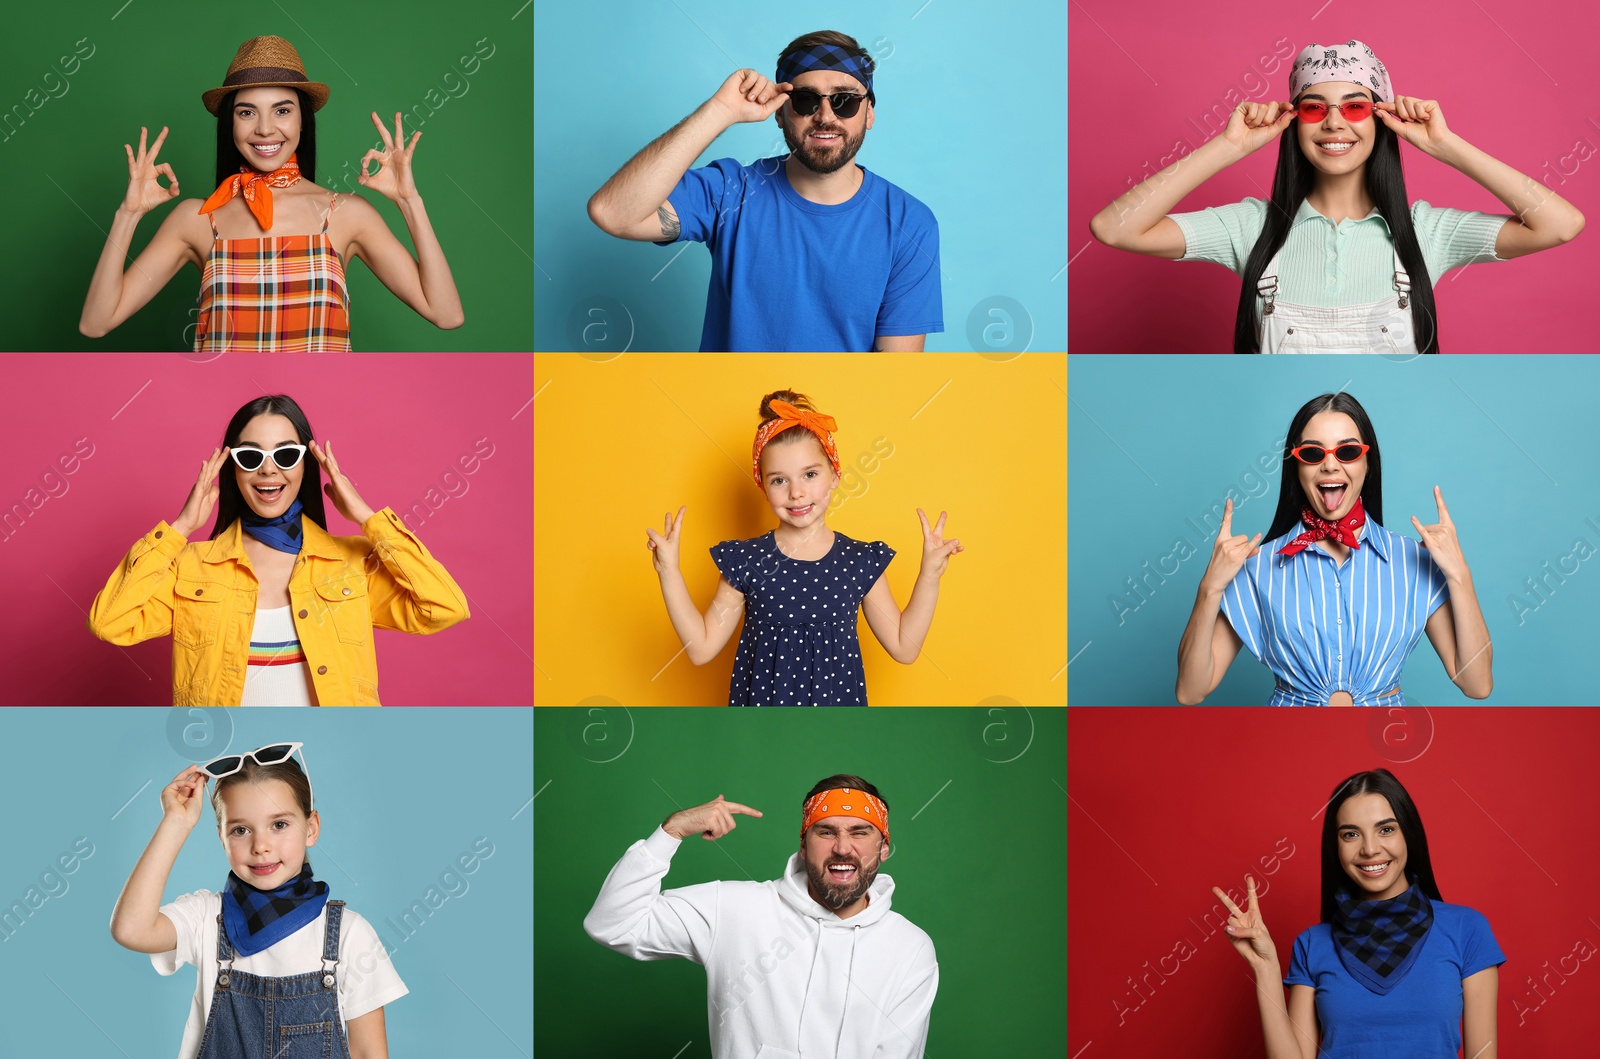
(287, 653)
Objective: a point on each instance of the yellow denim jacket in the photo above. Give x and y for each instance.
(204, 594)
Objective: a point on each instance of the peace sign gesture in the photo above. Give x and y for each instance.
(393, 179)
(936, 551)
(1440, 540)
(145, 192)
(1248, 932)
(1228, 553)
(341, 490)
(664, 545)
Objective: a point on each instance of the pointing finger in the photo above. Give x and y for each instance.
(1444, 512)
(735, 807)
(1227, 518)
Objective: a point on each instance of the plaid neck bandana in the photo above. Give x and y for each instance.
(283, 533)
(258, 919)
(826, 57)
(1378, 941)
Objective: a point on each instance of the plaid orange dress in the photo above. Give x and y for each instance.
(279, 294)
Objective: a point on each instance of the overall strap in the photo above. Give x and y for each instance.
(1267, 285)
(334, 910)
(1402, 282)
(225, 956)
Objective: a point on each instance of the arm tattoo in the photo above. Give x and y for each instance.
(670, 226)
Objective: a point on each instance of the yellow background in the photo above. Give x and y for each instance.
(620, 441)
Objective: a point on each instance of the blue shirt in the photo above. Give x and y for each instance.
(1323, 628)
(1420, 1018)
(788, 274)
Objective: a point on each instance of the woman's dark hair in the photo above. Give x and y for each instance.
(843, 779)
(230, 504)
(1385, 183)
(229, 159)
(1292, 498)
(1418, 863)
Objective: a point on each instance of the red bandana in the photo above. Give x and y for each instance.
(1343, 531)
(257, 188)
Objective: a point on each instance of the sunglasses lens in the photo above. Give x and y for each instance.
(287, 458)
(249, 459)
(1357, 111)
(1310, 454)
(1312, 111)
(804, 103)
(1348, 453)
(271, 755)
(847, 109)
(224, 765)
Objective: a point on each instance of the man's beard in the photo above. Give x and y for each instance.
(828, 893)
(835, 159)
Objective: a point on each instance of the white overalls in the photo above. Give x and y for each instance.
(1375, 327)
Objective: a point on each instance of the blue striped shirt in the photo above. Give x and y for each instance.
(1322, 627)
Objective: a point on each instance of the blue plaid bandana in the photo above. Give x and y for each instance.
(1378, 941)
(282, 533)
(258, 919)
(826, 57)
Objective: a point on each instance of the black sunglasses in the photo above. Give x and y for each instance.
(844, 104)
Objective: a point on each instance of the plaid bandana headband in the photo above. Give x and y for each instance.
(790, 416)
(830, 58)
(258, 919)
(1351, 61)
(845, 801)
(1378, 941)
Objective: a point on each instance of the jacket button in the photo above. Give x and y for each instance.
(199, 591)
(302, 613)
(158, 534)
(322, 670)
(347, 591)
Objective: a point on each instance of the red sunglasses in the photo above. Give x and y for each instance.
(1315, 454)
(1356, 110)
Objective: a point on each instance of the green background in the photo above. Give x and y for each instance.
(981, 867)
(63, 171)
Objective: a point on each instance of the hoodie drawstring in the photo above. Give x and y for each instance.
(849, 980)
(801, 1021)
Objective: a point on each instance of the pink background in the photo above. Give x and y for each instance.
(398, 423)
(1490, 66)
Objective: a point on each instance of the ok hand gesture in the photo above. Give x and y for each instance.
(393, 179)
(1440, 540)
(1247, 931)
(936, 551)
(1228, 553)
(145, 192)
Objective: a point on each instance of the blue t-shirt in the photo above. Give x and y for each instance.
(1420, 1018)
(790, 275)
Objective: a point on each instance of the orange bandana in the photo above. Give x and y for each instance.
(790, 416)
(844, 801)
(257, 188)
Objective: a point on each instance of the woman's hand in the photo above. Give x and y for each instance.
(1228, 553)
(1247, 931)
(145, 192)
(1419, 122)
(182, 799)
(341, 490)
(664, 545)
(1440, 540)
(1252, 126)
(203, 497)
(936, 551)
(393, 180)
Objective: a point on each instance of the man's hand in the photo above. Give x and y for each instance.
(712, 820)
(747, 96)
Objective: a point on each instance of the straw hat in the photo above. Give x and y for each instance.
(262, 62)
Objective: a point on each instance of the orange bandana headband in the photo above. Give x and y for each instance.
(790, 416)
(845, 801)
(257, 188)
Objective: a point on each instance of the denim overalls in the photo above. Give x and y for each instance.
(276, 1018)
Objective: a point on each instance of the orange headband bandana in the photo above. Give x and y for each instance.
(790, 416)
(845, 801)
(256, 187)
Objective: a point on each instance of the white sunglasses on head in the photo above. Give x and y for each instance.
(249, 458)
(271, 754)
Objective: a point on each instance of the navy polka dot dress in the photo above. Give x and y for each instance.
(799, 644)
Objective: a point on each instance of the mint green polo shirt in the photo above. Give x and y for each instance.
(1331, 265)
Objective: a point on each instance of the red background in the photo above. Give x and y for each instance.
(399, 423)
(1165, 803)
(1514, 85)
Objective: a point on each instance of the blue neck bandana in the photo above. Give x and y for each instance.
(258, 919)
(282, 533)
(1378, 941)
(827, 57)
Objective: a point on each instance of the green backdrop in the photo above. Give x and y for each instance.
(978, 813)
(79, 79)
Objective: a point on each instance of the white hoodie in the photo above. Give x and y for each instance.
(785, 977)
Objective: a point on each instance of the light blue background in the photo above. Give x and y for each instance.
(1509, 439)
(971, 120)
(401, 793)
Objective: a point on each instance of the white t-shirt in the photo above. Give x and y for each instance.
(277, 674)
(367, 980)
